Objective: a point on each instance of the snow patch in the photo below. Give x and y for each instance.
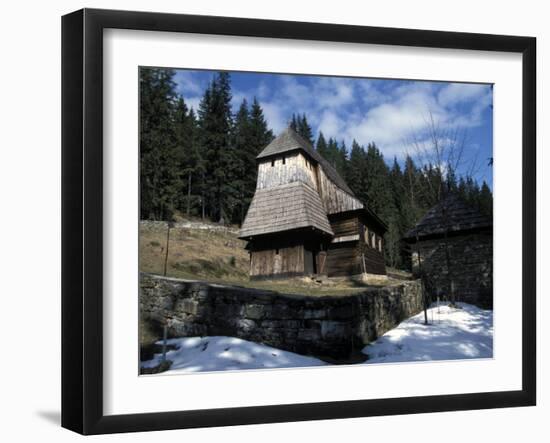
(466, 332)
(463, 333)
(204, 354)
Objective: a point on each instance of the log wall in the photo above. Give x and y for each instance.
(274, 262)
(334, 199)
(343, 259)
(346, 258)
(344, 226)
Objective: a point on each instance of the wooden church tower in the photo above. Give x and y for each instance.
(305, 220)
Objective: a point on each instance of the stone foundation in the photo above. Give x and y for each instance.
(335, 327)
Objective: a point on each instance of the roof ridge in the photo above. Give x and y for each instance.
(461, 217)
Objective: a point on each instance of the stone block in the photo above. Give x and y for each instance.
(330, 328)
(246, 325)
(314, 314)
(189, 306)
(309, 335)
(254, 312)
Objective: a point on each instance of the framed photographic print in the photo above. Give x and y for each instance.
(269, 221)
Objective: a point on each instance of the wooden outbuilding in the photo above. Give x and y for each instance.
(305, 220)
(454, 232)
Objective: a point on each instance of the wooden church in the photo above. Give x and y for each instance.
(304, 219)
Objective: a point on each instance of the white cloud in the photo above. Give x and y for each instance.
(293, 93)
(276, 117)
(456, 93)
(388, 113)
(368, 93)
(330, 91)
(392, 123)
(187, 83)
(331, 124)
(394, 116)
(262, 91)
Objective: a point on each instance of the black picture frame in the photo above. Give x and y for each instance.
(82, 218)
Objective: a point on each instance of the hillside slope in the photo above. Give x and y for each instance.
(213, 253)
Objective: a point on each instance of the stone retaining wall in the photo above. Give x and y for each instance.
(323, 326)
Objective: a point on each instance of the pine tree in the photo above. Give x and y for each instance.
(250, 136)
(189, 160)
(294, 123)
(261, 134)
(486, 200)
(321, 145)
(332, 152)
(260, 137)
(342, 159)
(159, 174)
(377, 183)
(304, 129)
(392, 250)
(396, 224)
(355, 171)
(241, 144)
(215, 122)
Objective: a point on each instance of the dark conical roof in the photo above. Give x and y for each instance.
(288, 141)
(450, 215)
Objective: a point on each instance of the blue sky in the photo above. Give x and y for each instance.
(391, 113)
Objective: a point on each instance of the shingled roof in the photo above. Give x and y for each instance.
(450, 215)
(291, 206)
(288, 141)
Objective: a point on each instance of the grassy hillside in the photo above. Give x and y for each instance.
(211, 253)
(202, 254)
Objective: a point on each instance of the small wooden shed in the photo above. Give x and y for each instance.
(305, 220)
(454, 231)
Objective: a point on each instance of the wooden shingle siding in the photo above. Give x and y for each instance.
(286, 207)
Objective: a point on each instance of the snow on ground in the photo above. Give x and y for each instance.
(196, 354)
(452, 334)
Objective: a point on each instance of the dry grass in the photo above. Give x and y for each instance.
(220, 257)
(193, 253)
